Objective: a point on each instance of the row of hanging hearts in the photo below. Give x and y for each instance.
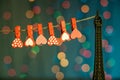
(41, 40)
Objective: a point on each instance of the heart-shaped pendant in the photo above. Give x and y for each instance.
(76, 34)
(65, 36)
(30, 42)
(52, 41)
(41, 40)
(17, 43)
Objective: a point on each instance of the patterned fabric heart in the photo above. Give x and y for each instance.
(17, 43)
(29, 42)
(52, 41)
(65, 36)
(41, 40)
(76, 34)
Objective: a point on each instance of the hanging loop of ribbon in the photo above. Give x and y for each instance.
(51, 29)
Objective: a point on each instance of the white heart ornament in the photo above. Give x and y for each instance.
(29, 42)
(65, 36)
(41, 40)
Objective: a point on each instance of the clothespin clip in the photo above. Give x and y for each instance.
(65, 35)
(40, 39)
(51, 29)
(75, 32)
(17, 42)
(30, 40)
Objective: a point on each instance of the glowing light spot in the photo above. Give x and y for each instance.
(104, 3)
(5, 29)
(109, 29)
(31, 0)
(7, 15)
(85, 8)
(107, 14)
(66, 4)
(108, 77)
(82, 39)
(78, 60)
(85, 68)
(36, 9)
(86, 53)
(35, 49)
(7, 59)
(59, 18)
(108, 48)
(59, 75)
(86, 45)
(104, 43)
(55, 69)
(82, 50)
(49, 10)
(23, 75)
(11, 72)
(61, 55)
(77, 67)
(29, 14)
(24, 68)
(64, 62)
(111, 62)
(57, 13)
(32, 55)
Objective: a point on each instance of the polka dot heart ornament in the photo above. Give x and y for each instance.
(17, 41)
(52, 39)
(65, 35)
(40, 39)
(75, 32)
(30, 40)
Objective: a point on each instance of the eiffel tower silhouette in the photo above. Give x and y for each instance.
(98, 73)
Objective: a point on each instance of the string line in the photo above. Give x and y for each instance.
(81, 20)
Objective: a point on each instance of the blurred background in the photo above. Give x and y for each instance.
(73, 59)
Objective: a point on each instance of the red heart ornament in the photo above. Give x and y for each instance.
(41, 40)
(76, 34)
(17, 43)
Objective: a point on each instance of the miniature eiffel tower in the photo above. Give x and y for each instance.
(98, 73)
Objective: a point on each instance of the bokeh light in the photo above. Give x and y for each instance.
(29, 14)
(109, 29)
(11, 72)
(49, 10)
(108, 77)
(104, 3)
(85, 8)
(78, 59)
(57, 13)
(85, 67)
(86, 53)
(23, 75)
(107, 14)
(82, 39)
(31, 0)
(82, 50)
(55, 69)
(66, 4)
(108, 48)
(5, 29)
(35, 49)
(59, 18)
(111, 62)
(77, 67)
(32, 55)
(59, 76)
(86, 45)
(61, 55)
(7, 59)
(104, 43)
(6, 15)
(36, 9)
(64, 62)
(24, 68)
